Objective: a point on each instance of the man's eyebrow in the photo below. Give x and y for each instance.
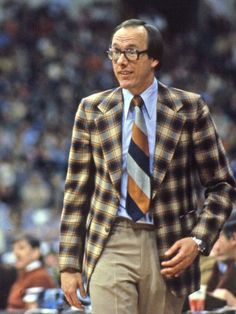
(115, 45)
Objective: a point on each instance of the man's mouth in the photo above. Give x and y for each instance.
(125, 72)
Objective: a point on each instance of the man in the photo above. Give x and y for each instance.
(222, 283)
(130, 232)
(31, 272)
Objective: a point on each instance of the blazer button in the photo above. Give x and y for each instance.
(107, 229)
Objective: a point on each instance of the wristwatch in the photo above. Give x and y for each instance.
(200, 244)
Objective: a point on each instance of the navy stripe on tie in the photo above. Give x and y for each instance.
(132, 209)
(140, 157)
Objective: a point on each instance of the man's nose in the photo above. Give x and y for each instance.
(122, 59)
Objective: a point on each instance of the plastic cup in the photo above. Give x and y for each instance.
(197, 300)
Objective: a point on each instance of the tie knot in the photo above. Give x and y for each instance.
(137, 101)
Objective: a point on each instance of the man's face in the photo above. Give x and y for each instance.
(224, 248)
(24, 254)
(136, 75)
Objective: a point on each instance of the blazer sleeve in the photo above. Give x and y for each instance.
(215, 176)
(78, 188)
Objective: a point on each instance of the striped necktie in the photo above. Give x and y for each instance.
(139, 181)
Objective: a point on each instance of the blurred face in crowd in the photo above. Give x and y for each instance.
(25, 254)
(225, 248)
(135, 75)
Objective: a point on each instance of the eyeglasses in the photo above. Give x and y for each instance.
(130, 54)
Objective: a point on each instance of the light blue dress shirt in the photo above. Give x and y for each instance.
(149, 97)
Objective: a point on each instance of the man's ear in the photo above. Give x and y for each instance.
(155, 63)
(233, 238)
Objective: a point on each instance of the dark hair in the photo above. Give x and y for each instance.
(230, 225)
(33, 241)
(155, 40)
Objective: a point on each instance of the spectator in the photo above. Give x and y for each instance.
(31, 272)
(51, 264)
(222, 283)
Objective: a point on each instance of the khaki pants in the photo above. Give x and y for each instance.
(127, 278)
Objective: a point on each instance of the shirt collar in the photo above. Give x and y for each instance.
(146, 95)
(34, 265)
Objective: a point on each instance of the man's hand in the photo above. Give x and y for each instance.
(70, 282)
(182, 253)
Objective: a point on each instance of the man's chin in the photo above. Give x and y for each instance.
(19, 267)
(125, 84)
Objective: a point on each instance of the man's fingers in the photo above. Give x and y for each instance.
(73, 299)
(186, 253)
(174, 271)
(70, 282)
(81, 289)
(174, 260)
(173, 249)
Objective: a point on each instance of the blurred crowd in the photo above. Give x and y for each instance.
(51, 57)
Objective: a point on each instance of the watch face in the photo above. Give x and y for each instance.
(200, 243)
(202, 246)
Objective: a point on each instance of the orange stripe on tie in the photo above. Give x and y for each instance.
(140, 139)
(139, 197)
(137, 202)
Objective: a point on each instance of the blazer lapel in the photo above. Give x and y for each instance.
(169, 127)
(109, 126)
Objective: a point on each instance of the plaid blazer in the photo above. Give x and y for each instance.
(186, 144)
